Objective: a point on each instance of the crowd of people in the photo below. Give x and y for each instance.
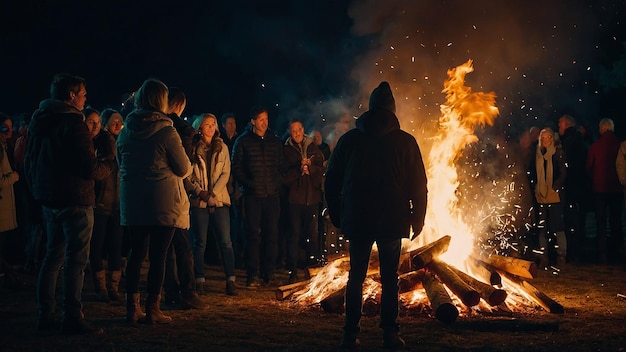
(571, 175)
(105, 191)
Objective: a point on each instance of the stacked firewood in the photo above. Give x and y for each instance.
(423, 269)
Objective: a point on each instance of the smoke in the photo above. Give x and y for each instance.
(535, 55)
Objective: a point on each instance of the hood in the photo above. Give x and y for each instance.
(142, 124)
(49, 113)
(382, 98)
(380, 119)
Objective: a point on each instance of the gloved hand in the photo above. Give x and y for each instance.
(204, 195)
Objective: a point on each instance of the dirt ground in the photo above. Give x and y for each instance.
(592, 297)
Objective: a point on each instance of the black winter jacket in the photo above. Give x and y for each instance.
(60, 163)
(258, 164)
(304, 189)
(375, 180)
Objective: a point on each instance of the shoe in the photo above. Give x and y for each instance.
(269, 279)
(349, 342)
(48, 324)
(393, 341)
(154, 314)
(200, 288)
(79, 327)
(192, 301)
(252, 282)
(231, 290)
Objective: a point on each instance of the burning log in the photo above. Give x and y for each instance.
(335, 303)
(466, 293)
(479, 268)
(427, 253)
(519, 267)
(440, 301)
(285, 291)
(536, 295)
(493, 296)
(411, 281)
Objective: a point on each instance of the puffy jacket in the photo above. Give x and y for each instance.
(257, 164)
(153, 164)
(199, 179)
(60, 163)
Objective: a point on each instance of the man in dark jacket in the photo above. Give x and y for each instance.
(61, 166)
(179, 284)
(305, 170)
(257, 165)
(577, 186)
(376, 191)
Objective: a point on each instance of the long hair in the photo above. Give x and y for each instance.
(152, 95)
(216, 141)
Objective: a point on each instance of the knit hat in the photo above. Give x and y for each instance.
(383, 98)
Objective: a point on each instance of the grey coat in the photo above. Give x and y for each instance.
(153, 164)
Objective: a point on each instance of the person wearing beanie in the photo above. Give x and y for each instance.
(376, 190)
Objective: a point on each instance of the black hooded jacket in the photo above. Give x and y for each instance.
(60, 162)
(375, 181)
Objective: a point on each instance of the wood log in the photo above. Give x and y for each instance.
(425, 254)
(440, 301)
(282, 292)
(411, 281)
(493, 296)
(483, 270)
(467, 294)
(519, 267)
(535, 294)
(335, 303)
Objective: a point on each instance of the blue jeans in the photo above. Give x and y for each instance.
(388, 257)
(69, 232)
(201, 218)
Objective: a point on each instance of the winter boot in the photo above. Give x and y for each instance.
(114, 285)
(100, 286)
(153, 310)
(133, 308)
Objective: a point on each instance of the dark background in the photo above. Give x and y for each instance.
(317, 59)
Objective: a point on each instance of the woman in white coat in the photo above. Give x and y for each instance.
(209, 198)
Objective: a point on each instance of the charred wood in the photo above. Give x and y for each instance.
(427, 253)
(466, 293)
(440, 301)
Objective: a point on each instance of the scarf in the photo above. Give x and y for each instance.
(545, 176)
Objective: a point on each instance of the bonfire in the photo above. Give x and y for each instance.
(443, 268)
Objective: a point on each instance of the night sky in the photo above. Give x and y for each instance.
(317, 59)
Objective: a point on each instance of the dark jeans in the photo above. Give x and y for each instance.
(106, 242)
(261, 216)
(179, 264)
(302, 234)
(551, 222)
(201, 219)
(388, 257)
(609, 206)
(158, 240)
(237, 234)
(68, 234)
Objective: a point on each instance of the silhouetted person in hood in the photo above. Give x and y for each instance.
(376, 191)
